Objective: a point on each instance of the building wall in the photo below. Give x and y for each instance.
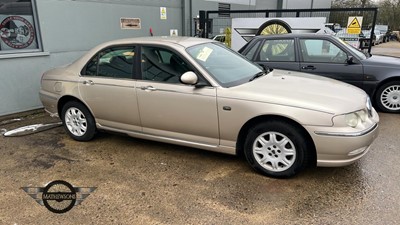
(306, 4)
(70, 28)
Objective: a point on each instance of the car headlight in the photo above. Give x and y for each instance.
(354, 118)
(351, 119)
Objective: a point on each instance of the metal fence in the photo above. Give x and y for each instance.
(212, 23)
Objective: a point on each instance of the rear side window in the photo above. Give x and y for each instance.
(277, 51)
(115, 62)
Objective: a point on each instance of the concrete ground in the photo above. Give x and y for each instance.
(144, 182)
(391, 48)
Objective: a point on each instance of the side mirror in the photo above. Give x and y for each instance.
(189, 78)
(350, 59)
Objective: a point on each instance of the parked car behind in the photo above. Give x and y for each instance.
(198, 93)
(219, 37)
(366, 35)
(384, 29)
(379, 36)
(329, 56)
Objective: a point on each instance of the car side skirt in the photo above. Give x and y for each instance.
(136, 134)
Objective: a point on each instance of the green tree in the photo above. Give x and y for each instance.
(352, 3)
(389, 13)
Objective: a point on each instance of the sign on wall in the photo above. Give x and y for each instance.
(130, 23)
(244, 29)
(354, 24)
(17, 32)
(163, 13)
(173, 32)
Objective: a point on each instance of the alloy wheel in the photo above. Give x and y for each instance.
(76, 121)
(274, 151)
(390, 97)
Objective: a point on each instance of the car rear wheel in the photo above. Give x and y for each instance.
(78, 121)
(388, 97)
(276, 149)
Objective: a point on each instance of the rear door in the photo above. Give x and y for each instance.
(107, 87)
(275, 53)
(326, 58)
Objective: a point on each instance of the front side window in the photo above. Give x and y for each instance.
(277, 51)
(252, 51)
(18, 31)
(355, 51)
(314, 50)
(162, 65)
(115, 62)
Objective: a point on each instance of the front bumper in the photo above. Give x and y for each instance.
(336, 149)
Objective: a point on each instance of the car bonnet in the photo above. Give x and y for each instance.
(301, 90)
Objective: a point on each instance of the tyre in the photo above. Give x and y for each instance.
(388, 97)
(274, 27)
(78, 121)
(276, 149)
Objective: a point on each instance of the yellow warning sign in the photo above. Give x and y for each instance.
(163, 13)
(354, 24)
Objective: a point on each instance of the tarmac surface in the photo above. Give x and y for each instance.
(144, 182)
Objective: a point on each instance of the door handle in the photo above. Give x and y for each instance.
(148, 88)
(88, 82)
(308, 67)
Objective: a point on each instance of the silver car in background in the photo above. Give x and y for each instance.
(198, 93)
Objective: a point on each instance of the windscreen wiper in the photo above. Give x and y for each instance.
(257, 75)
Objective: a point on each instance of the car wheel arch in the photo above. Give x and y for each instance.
(241, 139)
(68, 98)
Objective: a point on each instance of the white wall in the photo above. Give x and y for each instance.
(70, 28)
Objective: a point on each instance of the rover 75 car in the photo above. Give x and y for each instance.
(198, 93)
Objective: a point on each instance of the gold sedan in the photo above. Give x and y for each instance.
(198, 93)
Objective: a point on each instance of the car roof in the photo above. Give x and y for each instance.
(292, 35)
(167, 40)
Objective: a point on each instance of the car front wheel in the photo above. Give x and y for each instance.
(276, 149)
(388, 97)
(78, 121)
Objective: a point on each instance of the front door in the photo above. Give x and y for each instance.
(171, 109)
(325, 58)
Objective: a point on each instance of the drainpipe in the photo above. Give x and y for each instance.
(191, 17)
(279, 4)
(183, 18)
